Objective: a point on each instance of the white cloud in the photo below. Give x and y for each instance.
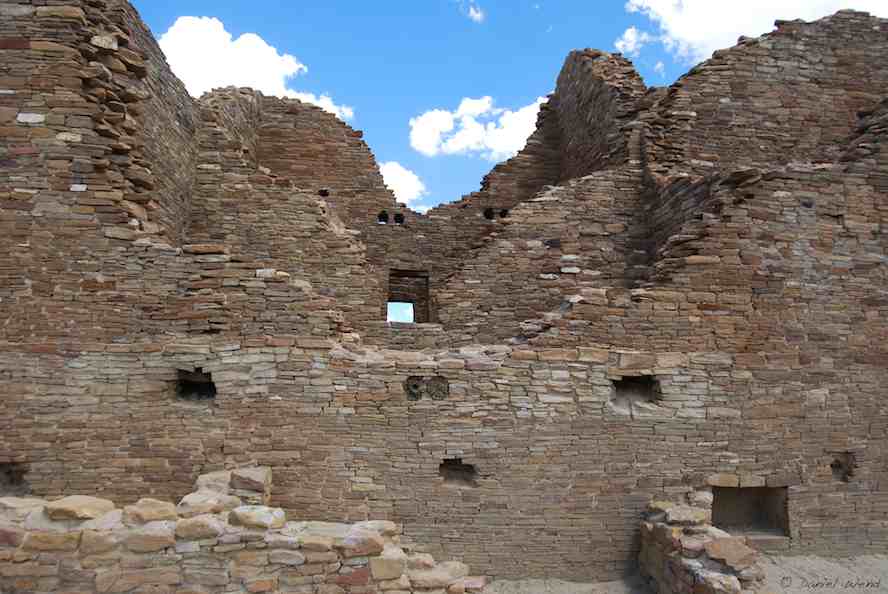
(476, 127)
(631, 41)
(404, 183)
(472, 10)
(692, 29)
(660, 68)
(206, 56)
(476, 14)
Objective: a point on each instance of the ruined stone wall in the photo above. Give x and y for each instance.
(622, 336)
(87, 159)
(221, 538)
(555, 452)
(566, 238)
(806, 80)
(597, 95)
(682, 552)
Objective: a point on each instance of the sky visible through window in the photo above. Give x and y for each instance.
(399, 311)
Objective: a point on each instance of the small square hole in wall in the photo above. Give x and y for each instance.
(843, 466)
(12, 480)
(457, 474)
(195, 385)
(636, 392)
(400, 311)
(751, 510)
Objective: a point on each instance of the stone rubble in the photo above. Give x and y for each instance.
(85, 544)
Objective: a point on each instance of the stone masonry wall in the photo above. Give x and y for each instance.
(221, 538)
(633, 323)
(683, 553)
(806, 80)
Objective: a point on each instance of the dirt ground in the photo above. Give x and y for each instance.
(784, 575)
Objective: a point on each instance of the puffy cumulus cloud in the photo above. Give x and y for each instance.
(204, 55)
(475, 13)
(476, 127)
(405, 184)
(631, 41)
(693, 29)
(472, 10)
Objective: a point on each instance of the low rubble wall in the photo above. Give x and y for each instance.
(683, 553)
(223, 537)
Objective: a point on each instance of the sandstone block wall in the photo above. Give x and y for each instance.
(197, 285)
(682, 553)
(220, 538)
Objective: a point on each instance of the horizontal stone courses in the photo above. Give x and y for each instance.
(666, 289)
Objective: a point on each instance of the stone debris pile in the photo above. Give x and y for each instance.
(683, 553)
(223, 537)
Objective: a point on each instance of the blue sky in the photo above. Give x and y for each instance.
(467, 73)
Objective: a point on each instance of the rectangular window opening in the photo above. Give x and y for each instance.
(195, 386)
(12, 480)
(408, 296)
(400, 311)
(635, 395)
(457, 474)
(751, 510)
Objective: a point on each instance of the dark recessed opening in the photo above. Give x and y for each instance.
(504, 213)
(751, 510)
(399, 219)
(843, 466)
(323, 193)
(488, 214)
(458, 474)
(414, 388)
(195, 385)
(552, 243)
(634, 393)
(12, 480)
(436, 388)
(382, 218)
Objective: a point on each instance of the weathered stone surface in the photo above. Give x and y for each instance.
(390, 564)
(78, 507)
(51, 541)
(149, 510)
(205, 501)
(218, 482)
(733, 552)
(94, 542)
(687, 515)
(257, 516)
(154, 536)
(359, 542)
(61, 12)
(286, 557)
(252, 479)
(200, 527)
(721, 239)
(438, 577)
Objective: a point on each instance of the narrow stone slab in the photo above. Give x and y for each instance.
(149, 510)
(78, 507)
(257, 516)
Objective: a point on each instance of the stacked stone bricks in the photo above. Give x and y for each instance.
(220, 538)
(722, 239)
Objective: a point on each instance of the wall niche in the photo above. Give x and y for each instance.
(418, 387)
